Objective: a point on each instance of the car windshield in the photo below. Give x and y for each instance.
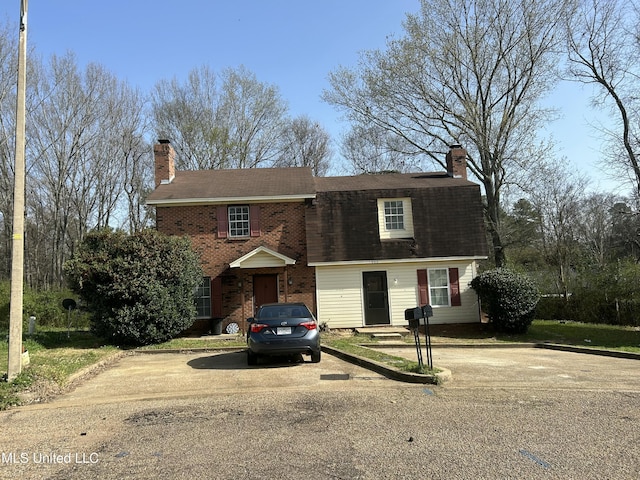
(284, 311)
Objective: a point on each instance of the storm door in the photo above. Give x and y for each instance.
(376, 298)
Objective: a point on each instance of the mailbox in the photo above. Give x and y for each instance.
(413, 316)
(413, 313)
(418, 312)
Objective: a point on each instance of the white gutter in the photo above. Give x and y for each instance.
(227, 200)
(398, 260)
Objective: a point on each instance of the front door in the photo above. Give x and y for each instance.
(376, 304)
(265, 289)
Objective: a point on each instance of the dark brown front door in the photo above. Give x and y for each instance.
(376, 304)
(265, 289)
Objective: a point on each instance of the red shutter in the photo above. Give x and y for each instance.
(254, 220)
(216, 298)
(454, 286)
(223, 221)
(423, 288)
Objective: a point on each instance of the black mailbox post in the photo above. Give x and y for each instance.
(413, 316)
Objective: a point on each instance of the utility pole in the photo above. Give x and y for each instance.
(17, 258)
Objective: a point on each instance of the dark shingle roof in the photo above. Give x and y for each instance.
(342, 225)
(379, 181)
(342, 222)
(212, 185)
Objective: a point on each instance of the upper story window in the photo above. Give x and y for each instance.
(395, 218)
(393, 215)
(239, 221)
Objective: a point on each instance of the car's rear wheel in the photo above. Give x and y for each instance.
(315, 356)
(252, 358)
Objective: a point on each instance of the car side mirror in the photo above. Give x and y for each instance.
(250, 320)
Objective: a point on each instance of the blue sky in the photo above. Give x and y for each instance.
(293, 44)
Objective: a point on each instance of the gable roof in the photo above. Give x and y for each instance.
(262, 257)
(235, 185)
(342, 225)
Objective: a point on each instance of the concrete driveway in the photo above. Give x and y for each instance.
(145, 376)
(529, 367)
(139, 376)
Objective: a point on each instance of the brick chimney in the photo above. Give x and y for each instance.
(457, 162)
(165, 156)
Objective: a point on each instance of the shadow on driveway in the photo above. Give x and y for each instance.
(238, 361)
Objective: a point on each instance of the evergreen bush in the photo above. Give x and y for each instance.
(508, 298)
(138, 288)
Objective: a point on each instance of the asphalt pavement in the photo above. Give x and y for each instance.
(505, 413)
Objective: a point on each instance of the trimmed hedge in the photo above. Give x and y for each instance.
(508, 298)
(138, 288)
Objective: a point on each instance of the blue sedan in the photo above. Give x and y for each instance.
(283, 329)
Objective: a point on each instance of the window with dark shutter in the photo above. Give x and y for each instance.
(238, 218)
(439, 287)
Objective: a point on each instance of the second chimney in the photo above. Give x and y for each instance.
(165, 157)
(457, 162)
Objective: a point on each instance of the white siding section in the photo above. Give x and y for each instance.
(339, 296)
(340, 293)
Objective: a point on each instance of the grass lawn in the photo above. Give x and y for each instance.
(54, 357)
(351, 344)
(583, 334)
(204, 342)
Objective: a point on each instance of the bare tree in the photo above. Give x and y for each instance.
(469, 72)
(230, 121)
(8, 80)
(557, 194)
(305, 144)
(78, 164)
(604, 44)
(372, 148)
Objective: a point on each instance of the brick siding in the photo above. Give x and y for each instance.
(282, 230)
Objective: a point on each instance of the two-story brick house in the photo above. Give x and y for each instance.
(357, 250)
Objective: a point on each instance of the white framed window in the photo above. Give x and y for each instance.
(395, 218)
(393, 215)
(238, 216)
(203, 298)
(439, 287)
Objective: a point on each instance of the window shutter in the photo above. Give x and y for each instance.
(454, 286)
(216, 297)
(423, 288)
(223, 221)
(254, 220)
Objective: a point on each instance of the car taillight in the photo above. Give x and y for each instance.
(258, 327)
(309, 325)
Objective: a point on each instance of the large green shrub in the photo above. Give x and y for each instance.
(508, 298)
(140, 288)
